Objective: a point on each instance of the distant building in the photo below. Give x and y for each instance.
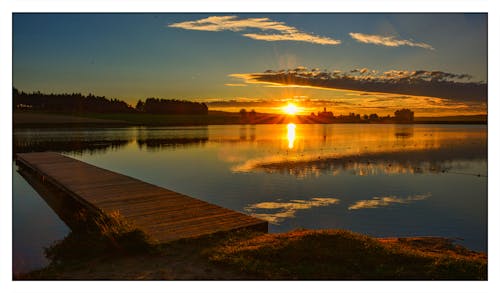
(325, 114)
(405, 115)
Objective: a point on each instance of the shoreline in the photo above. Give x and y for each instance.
(88, 120)
(294, 255)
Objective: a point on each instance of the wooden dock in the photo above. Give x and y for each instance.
(162, 214)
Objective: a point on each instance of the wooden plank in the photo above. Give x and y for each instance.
(163, 214)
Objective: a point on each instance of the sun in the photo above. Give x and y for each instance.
(290, 109)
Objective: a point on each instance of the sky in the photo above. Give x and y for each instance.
(434, 64)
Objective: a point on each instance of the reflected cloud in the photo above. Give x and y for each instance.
(319, 150)
(377, 202)
(390, 163)
(279, 211)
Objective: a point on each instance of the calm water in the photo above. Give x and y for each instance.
(381, 180)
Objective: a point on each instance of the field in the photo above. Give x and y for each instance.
(44, 119)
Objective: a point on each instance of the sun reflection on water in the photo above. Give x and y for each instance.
(291, 134)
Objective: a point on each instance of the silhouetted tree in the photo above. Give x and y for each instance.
(74, 102)
(177, 107)
(139, 106)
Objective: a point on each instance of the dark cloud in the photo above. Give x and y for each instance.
(273, 103)
(239, 103)
(457, 87)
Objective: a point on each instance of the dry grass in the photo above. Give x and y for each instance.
(99, 235)
(337, 254)
(297, 255)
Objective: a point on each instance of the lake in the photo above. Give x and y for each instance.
(377, 179)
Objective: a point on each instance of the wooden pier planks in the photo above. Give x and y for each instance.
(162, 214)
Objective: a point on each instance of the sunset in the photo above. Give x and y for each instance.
(290, 109)
(250, 146)
(362, 63)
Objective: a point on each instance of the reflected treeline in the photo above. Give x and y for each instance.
(158, 144)
(102, 141)
(444, 159)
(157, 139)
(22, 144)
(403, 133)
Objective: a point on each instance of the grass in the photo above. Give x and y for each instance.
(121, 119)
(343, 255)
(47, 119)
(99, 235)
(296, 255)
(167, 120)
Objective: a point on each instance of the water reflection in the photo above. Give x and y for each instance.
(290, 134)
(70, 142)
(404, 132)
(276, 212)
(99, 141)
(156, 139)
(159, 144)
(244, 167)
(65, 207)
(311, 150)
(377, 202)
(371, 151)
(444, 160)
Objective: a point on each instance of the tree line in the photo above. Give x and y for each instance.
(162, 106)
(78, 103)
(401, 115)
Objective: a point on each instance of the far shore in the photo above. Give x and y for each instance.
(43, 119)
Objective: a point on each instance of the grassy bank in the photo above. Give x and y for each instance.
(28, 119)
(343, 255)
(297, 255)
(41, 119)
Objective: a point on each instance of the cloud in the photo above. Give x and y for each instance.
(387, 41)
(299, 37)
(304, 102)
(280, 31)
(235, 84)
(283, 210)
(385, 201)
(438, 84)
